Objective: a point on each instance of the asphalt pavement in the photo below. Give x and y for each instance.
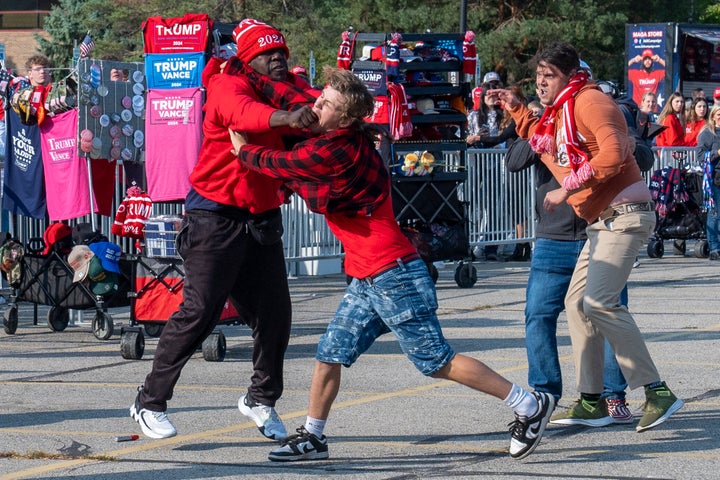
(65, 395)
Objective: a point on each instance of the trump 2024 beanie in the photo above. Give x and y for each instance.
(254, 37)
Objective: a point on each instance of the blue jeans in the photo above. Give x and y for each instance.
(401, 300)
(712, 222)
(551, 268)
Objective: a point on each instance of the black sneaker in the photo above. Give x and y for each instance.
(301, 446)
(527, 432)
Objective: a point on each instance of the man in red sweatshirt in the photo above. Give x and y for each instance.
(230, 240)
(341, 175)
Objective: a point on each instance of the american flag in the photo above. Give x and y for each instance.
(86, 46)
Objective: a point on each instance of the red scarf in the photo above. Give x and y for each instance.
(288, 95)
(543, 141)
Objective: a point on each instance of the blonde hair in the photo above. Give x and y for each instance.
(648, 94)
(709, 122)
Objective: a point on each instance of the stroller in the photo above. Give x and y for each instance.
(678, 197)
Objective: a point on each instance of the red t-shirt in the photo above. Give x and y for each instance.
(674, 135)
(691, 132)
(370, 241)
(644, 82)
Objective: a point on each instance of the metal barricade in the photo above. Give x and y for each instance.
(679, 157)
(307, 237)
(501, 204)
(501, 208)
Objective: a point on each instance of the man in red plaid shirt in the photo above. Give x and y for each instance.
(340, 174)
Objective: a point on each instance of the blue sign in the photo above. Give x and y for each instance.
(180, 70)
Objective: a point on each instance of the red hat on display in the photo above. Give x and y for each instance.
(476, 97)
(55, 233)
(254, 37)
(716, 93)
(298, 70)
(647, 53)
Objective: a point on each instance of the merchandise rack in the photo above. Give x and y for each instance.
(429, 208)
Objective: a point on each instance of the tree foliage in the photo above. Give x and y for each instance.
(508, 32)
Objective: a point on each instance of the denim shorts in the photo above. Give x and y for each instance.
(401, 300)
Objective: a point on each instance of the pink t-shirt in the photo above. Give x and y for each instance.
(66, 173)
(173, 132)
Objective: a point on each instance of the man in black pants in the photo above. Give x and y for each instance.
(230, 239)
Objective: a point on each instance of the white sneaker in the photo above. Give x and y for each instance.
(266, 418)
(153, 424)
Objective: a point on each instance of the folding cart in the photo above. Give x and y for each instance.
(48, 280)
(431, 214)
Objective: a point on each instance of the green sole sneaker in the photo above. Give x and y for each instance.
(582, 413)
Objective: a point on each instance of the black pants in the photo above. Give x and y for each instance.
(224, 260)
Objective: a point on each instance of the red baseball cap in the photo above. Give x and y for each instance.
(716, 94)
(647, 53)
(53, 234)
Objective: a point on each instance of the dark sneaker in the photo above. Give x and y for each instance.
(660, 403)
(301, 446)
(266, 418)
(526, 432)
(619, 411)
(153, 424)
(582, 413)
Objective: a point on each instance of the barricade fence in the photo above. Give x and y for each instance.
(501, 204)
(500, 210)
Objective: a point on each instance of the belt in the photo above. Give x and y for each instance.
(623, 208)
(407, 258)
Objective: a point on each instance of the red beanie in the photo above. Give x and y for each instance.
(253, 38)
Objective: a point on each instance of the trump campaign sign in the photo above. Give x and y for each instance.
(186, 34)
(174, 71)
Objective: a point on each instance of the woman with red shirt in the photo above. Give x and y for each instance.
(695, 120)
(673, 117)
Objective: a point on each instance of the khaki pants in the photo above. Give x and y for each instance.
(593, 308)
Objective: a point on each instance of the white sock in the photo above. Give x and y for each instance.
(521, 401)
(315, 426)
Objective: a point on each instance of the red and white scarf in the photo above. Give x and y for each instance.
(543, 141)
